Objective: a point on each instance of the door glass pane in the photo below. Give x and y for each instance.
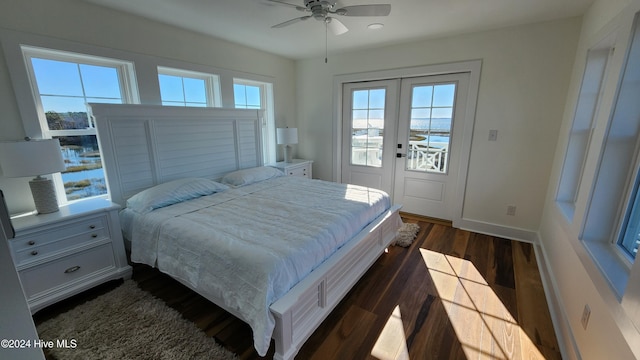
(367, 126)
(430, 127)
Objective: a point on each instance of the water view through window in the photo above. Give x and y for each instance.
(64, 88)
(84, 176)
(430, 127)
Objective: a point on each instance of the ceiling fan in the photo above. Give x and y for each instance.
(325, 11)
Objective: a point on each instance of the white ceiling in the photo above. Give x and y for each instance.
(249, 22)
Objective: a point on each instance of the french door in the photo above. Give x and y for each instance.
(405, 137)
(370, 117)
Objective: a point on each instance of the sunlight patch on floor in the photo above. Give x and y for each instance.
(392, 342)
(484, 326)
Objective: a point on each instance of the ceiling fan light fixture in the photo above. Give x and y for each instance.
(375, 26)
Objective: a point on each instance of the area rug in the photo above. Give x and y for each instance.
(406, 234)
(127, 323)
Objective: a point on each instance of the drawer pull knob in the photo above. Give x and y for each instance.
(94, 235)
(31, 242)
(34, 252)
(72, 269)
(92, 226)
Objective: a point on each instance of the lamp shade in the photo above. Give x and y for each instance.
(287, 136)
(31, 158)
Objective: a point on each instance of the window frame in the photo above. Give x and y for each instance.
(613, 182)
(575, 158)
(212, 84)
(127, 85)
(269, 147)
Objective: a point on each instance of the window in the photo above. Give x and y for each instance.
(250, 94)
(611, 224)
(367, 126)
(630, 239)
(63, 84)
(188, 88)
(247, 96)
(582, 128)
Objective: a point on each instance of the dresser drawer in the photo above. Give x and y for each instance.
(65, 270)
(39, 244)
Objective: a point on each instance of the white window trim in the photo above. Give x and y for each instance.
(611, 191)
(573, 170)
(212, 82)
(127, 87)
(268, 122)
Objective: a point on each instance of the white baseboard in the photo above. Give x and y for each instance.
(497, 230)
(566, 341)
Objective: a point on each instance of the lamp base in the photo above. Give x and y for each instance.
(44, 195)
(288, 154)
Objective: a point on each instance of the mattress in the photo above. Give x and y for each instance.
(248, 246)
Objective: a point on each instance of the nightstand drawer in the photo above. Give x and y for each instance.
(44, 243)
(37, 252)
(67, 269)
(298, 171)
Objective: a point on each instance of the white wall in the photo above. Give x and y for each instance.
(576, 279)
(88, 24)
(523, 85)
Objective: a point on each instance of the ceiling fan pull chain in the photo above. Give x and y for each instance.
(326, 42)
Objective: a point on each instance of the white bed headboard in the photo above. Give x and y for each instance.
(145, 145)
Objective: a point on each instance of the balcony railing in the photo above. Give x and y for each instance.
(427, 158)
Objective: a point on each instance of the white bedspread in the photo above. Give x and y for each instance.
(248, 246)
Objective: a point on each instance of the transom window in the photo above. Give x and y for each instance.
(247, 96)
(188, 88)
(63, 84)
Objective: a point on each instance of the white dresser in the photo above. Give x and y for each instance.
(297, 167)
(61, 254)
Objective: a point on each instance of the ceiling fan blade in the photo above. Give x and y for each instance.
(297, 7)
(289, 22)
(365, 10)
(336, 26)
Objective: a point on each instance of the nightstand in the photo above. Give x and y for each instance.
(60, 254)
(297, 167)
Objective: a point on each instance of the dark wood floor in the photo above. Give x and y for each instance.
(452, 295)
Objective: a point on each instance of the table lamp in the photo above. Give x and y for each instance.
(34, 158)
(286, 137)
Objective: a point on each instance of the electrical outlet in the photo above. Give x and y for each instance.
(586, 313)
(511, 210)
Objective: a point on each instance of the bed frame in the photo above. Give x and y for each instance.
(145, 145)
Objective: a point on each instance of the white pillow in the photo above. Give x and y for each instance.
(173, 192)
(251, 175)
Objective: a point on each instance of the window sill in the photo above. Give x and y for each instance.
(567, 209)
(609, 262)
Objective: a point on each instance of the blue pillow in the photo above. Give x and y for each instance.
(173, 192)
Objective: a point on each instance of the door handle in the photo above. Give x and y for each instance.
(400, 155)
